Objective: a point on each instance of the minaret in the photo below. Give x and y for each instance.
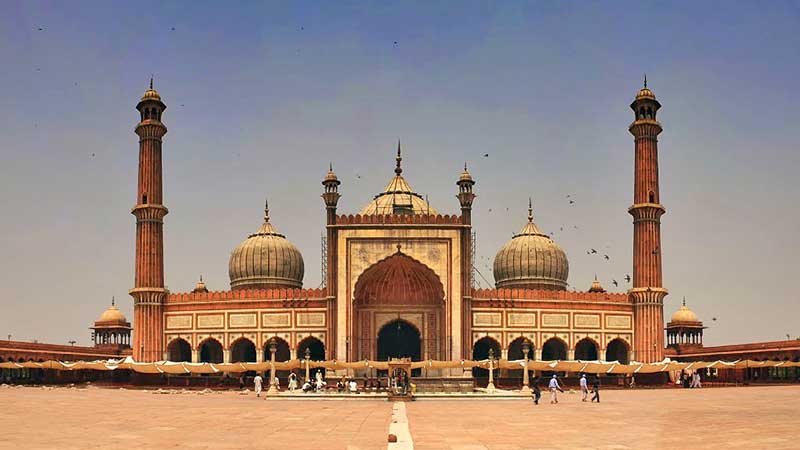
(331, 197)
(149, 292)
(465, 198)
(647, 293)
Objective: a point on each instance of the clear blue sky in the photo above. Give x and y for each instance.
(262, 96)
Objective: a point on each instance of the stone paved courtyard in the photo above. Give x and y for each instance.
(730, 418)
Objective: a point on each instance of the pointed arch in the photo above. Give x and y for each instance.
(554, 349)
(210, 351)
(179, 350)
(618, 350)
(480, 351)
(587, 349)
(243, 350)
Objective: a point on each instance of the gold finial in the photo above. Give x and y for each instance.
(595, 277)
(399, 245)
(201, 278)
(112, 300)
(151, 81)
(330, 166)
(645, 81)
(465, 166)
(530, 210)
(266, 210)
(398, 170)
(684, 300)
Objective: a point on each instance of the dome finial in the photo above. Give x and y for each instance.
(398, 170)
(530, 210)
(645, 81)
(201, 278)
(465, 166)
(684, 300)
(112, 300)
(151, 81)
(330, 166)
(266, 210)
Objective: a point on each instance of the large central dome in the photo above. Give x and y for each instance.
(266, 259)
(531, 260)
(398, 197)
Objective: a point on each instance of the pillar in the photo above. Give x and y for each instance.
(149, 292)
(647, 294)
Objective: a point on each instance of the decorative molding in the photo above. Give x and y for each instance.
(555, 320)
(586, 320)
(242, 320)
(179, 322)
(210, 321)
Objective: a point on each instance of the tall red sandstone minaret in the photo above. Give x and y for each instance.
(647, 293)
(148, 292)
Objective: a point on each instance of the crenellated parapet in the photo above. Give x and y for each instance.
(398, 219)
(248, 294)
(547, 294)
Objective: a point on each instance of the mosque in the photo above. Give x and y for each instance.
(398, 279)
(399, 283)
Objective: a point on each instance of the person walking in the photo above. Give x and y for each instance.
(537, 393)
(596, 389)
(257, 380)
(554, 388)
(584, 388)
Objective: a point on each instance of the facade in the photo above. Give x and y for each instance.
(398, 280)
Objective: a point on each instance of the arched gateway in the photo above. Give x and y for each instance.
(399, 311)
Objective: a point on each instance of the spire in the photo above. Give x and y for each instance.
(684, 300)
(112, 300)
(465, 167)
(645, 81)
(151, 81)
(330, 166)
(398, 170)
(266, 210)
(530, 213)
(201, 278)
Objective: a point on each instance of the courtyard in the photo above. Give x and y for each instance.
(106, 418)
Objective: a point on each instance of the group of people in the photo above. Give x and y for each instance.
(690, 380)
(555, 387)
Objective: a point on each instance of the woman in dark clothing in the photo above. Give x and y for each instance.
(596, 389)
(537, 393)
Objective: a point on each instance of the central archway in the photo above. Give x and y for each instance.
(399, 294)
(399, 339)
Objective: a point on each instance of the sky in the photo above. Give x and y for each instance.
(262, 96)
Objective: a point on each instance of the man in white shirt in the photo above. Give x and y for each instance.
(584, 388)
(257, 382)
(554, 388)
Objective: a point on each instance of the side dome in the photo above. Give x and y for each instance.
(531, 260)
(684, 315)
(266, 259)
(112, 316)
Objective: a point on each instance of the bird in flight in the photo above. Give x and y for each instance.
(41, 29)
(485, 155)
(572, 202)
(594, 251)
(172, 29)
(606, 257)
(627, 278)
(614, 282)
